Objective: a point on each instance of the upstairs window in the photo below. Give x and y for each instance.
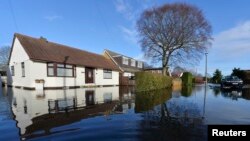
(107, 74)
(125, 60)
(139, 64)
(133, 62)
(12, 71)
(23, 69)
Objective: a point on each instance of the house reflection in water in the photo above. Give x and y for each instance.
(41, 111)
(127, 98)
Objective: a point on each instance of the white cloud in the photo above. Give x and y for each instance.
(233, 44)
(141, 57)
(129, 10)
(124, 8)
(129, 34)
(53, 18)
(240, 32)
(230, 49)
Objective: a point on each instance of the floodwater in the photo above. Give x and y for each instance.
(118, 113)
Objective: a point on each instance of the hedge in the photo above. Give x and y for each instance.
(146, 81)
(187, 78)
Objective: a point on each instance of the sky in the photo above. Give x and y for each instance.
(95, 25)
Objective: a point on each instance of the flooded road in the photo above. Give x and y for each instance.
(118, 113)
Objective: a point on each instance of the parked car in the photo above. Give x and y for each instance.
(231, 82)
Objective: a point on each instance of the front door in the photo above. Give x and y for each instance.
(89, 75)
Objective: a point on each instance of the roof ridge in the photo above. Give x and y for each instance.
(113, 52)
(122, 55)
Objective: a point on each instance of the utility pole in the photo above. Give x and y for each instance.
(206, 69)
(204, 103)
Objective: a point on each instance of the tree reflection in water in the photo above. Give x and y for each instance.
(216, 91)
(186, 91)
(166, 119)
(246, 94)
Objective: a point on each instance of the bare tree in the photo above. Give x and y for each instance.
(4, 55)
(173, 34)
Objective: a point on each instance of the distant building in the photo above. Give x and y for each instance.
(158, 70)
(36, 63)
(128, 66)
(153, 70)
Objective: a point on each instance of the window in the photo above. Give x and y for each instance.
(50, 69)
(107, 74)
(125, 60)
(139, 64)
(23, 69)
(60, 70)
(12, 71)
(133, 62)
(65, 70)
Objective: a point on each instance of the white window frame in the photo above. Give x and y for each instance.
(125, 60)
(23, 69)
(133, 62)
(139, 64)
(12, 68)
(107, 74)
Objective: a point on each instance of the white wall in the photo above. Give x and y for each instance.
(99, 80)
(18, 55)
(38, 70)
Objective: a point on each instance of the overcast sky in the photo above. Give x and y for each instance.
(95, 25)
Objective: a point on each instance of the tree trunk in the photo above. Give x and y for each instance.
(164, 65)
(164, 71)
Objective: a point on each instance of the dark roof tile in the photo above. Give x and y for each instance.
(43, 50)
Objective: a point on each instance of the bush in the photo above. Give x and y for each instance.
(146, 81)
(187, 78)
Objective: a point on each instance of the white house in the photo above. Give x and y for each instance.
(127, 65)
(36, 63)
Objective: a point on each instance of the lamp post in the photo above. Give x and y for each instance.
(206, 70)
(205, 95)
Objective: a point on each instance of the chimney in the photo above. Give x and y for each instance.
(44, 39)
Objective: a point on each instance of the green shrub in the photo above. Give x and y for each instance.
(187, 78)
(146, 81)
